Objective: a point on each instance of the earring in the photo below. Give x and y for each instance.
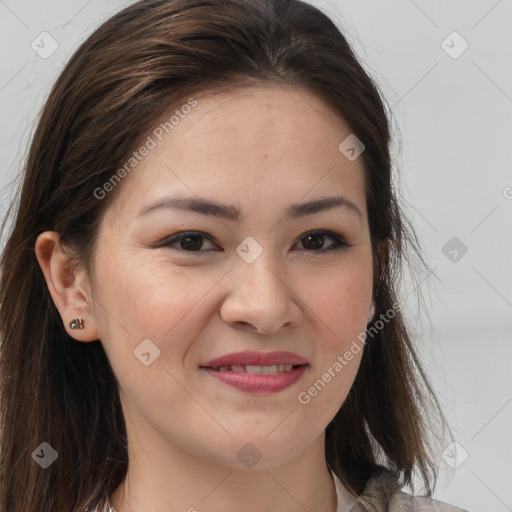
(77, 323)
(371, 313)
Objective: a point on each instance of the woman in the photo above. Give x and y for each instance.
(199, 306)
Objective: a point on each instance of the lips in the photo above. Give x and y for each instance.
(257, 372)
(250, 358)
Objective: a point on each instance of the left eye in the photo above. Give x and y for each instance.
(312, 241)
(315, 238)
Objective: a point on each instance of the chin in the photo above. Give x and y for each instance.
(259, 450)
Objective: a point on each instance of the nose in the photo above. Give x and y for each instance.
(260, 297)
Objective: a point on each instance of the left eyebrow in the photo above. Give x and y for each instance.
(229, 212)
(297, 211)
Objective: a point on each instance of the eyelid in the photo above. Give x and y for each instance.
(169, 241)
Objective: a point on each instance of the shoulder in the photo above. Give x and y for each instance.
(382, 494)
(402, 502)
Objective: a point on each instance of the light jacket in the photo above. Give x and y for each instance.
(383, 494)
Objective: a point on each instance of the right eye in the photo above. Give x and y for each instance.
(189, 241)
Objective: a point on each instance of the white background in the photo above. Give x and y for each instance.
(453, 149)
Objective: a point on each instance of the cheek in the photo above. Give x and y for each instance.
(340, 308)
(140, 299)
(340, 301)
(143, 298)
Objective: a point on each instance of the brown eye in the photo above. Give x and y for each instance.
(188, 241)
(315, 241)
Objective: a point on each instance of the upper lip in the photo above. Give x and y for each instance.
(256, 359)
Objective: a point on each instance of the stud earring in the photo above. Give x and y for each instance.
(77, 323)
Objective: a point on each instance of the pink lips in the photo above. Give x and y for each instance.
(256, 359)
(257, 383)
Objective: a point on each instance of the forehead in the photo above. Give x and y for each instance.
(263, 112)
(253, 144)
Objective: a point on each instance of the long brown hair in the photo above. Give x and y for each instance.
(139, 63)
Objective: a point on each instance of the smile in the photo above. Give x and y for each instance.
(256, 370)
(258, 379)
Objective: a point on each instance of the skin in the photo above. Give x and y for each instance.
(259, 149)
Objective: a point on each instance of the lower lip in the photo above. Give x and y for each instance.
(258, 383)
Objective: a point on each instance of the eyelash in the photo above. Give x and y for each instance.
(339, 242)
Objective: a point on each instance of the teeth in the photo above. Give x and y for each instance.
(265, 370)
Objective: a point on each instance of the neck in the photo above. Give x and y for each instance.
(164, 478)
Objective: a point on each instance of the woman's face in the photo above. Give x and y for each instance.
(260, 273)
